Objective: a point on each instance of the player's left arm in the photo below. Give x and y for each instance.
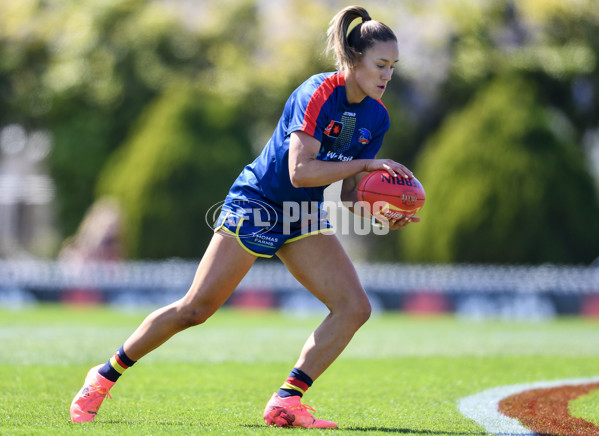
(349, 190)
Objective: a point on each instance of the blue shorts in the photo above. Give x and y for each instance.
(261, 227)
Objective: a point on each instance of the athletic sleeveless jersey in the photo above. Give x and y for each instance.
(320, 108)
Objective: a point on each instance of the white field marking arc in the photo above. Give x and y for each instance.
(483, 408)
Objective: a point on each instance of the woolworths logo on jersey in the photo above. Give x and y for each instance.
(250, 218)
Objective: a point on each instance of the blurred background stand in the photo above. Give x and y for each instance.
(26, 194)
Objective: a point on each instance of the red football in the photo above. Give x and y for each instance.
(392, 197)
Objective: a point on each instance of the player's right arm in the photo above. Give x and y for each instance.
(306, 170)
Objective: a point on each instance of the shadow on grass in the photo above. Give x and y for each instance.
(134, 422)
(387, 430)
(407, 431)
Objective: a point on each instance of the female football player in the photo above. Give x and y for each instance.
(331, 129)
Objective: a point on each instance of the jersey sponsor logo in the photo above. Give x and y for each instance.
(365, 136)
(331, 155)
(334, 129)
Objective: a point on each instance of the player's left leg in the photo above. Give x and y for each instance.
(320, 263)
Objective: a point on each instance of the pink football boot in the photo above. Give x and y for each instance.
(86, 403)
(289, 412)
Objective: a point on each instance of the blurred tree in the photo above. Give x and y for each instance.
(503, 185)
(182, 158)
(85, 70)
(554, 44)
(452, 50)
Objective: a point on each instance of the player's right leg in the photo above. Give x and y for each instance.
(221, 269)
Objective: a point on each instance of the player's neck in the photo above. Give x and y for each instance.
(354, 93)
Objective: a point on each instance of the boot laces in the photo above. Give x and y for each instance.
(98, 389)
(303, 408)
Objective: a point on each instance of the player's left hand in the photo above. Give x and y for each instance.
(400, 223)
(396, 224)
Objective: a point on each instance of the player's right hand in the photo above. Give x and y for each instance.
(395, 169)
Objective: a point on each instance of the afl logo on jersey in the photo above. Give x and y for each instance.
(334, 129)
(365, 136)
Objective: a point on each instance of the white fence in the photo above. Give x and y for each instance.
(272, 275)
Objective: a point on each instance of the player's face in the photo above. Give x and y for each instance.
(371, 75)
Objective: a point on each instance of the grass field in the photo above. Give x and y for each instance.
(401, 374)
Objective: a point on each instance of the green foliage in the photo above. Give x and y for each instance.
(502, 186)
(85, 70)
(80, 150)
(180, 160)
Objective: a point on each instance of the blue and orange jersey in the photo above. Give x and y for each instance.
(320, 108)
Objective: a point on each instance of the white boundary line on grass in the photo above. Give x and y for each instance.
(483, 407)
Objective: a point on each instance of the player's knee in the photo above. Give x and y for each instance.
(357, 312)
(364, 313)
(193, 316)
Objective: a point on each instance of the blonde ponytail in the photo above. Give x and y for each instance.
(349, 45)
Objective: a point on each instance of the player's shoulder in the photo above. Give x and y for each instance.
(330, 81)
(374, 112)
(375, 104)
(333, 77)
(377, 109)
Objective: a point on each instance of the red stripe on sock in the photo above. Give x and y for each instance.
(295, 382)
(120, 362)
